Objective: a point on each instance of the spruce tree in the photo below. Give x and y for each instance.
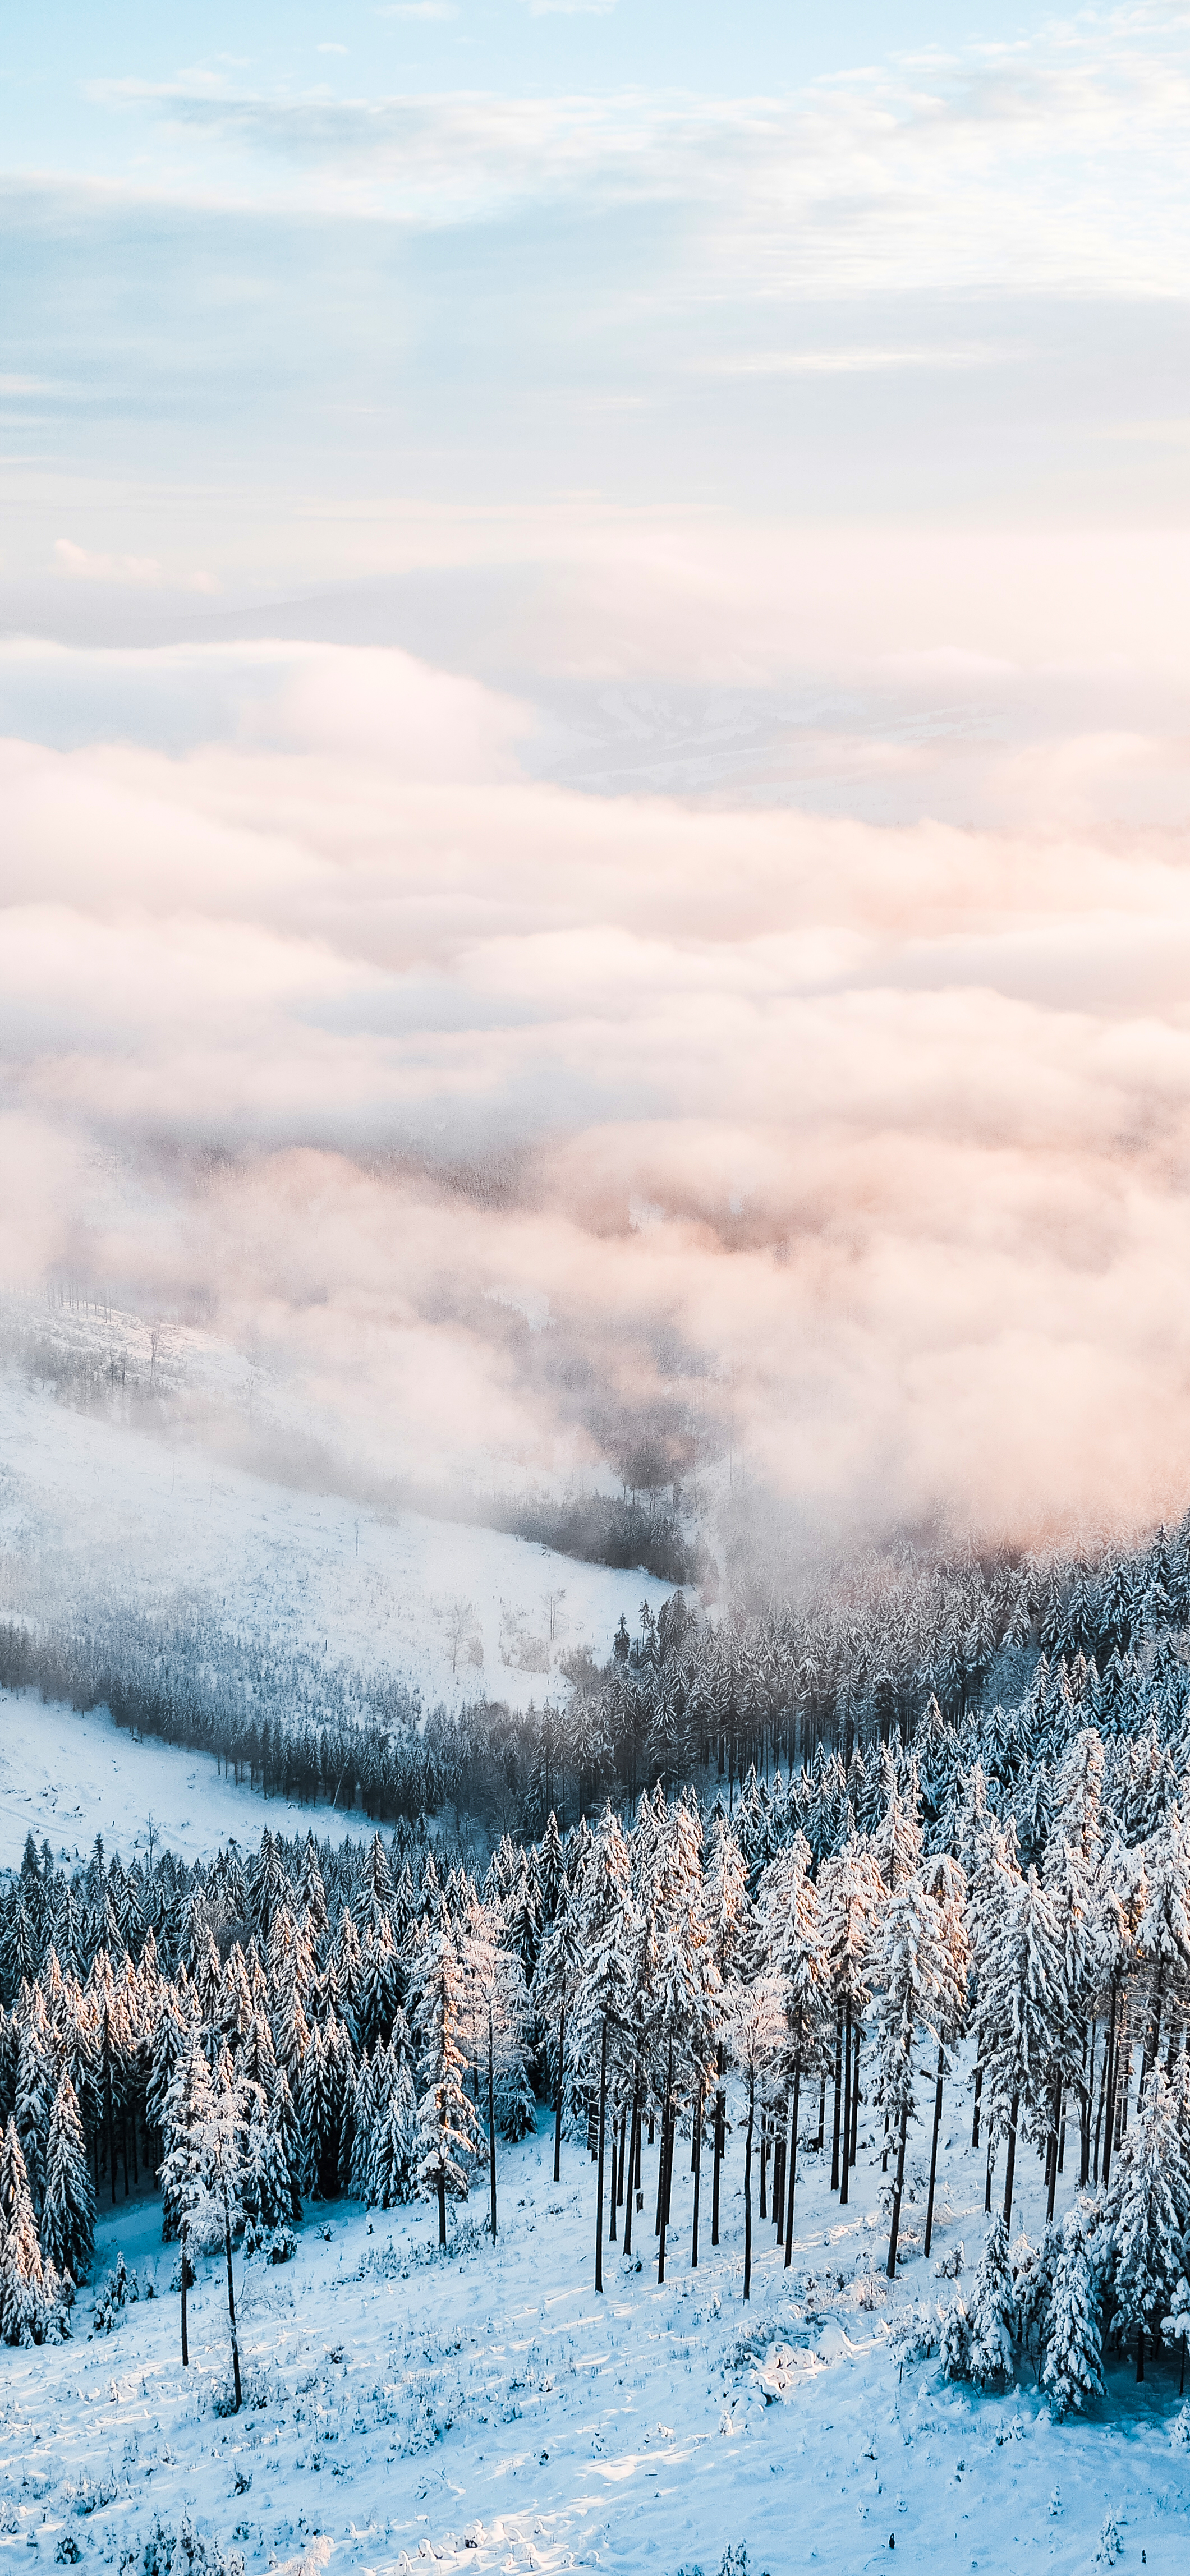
(1148, 2211)
(448, 2127)
(991, 2312)
(604, 1924)
(68, 2208)
(23, 2301)
(1073, 2333)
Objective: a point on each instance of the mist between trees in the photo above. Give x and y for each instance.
(901, 1647)
(996, 1897)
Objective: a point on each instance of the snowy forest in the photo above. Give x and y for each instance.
(825, 1877)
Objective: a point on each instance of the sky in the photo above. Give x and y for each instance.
(593, 694)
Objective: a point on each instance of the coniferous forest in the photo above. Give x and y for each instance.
(914, 1856)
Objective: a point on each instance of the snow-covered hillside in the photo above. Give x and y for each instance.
(89, 1510)
(67, 1777)
(485, 2410)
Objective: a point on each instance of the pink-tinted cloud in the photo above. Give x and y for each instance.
(514, 1129)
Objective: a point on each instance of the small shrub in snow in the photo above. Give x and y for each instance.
(1110, 2543)
(181, 2553)
(86, 2495)
(1179, 2431)
(119, 2291)
(914, 2334)
(950, 2264)
(67, 2553)
(954, 2348)
(282, 2245)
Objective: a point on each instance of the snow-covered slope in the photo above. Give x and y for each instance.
(68, 1777)
(487, 2411)
(91, 1510)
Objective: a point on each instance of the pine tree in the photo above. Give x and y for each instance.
(393, 2164)
(23, 2287)
(448, 2128)
(555, 1984)
(1023, 2016)
(1148, 2211)
(1073, 2334)
(792, 1940)
(605, 1914)
(992, 2310)
(68, 2208)
(756, 2025)
(920, 1980)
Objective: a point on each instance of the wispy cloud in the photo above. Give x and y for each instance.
(859, 361)
(1058, 162)
(136, 572)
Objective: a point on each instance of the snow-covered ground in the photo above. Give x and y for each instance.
(91, 1511)
(70, 1777)
(487, 2411)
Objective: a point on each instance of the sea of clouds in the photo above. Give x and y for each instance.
(527, 1125)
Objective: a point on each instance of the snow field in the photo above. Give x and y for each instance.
(69, 1777)
(94, 1512)
(486, 2410)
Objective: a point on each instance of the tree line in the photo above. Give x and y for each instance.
(375, 2018)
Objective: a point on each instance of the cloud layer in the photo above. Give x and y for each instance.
(516, 1129)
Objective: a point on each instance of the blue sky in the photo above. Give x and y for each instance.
(260, 299)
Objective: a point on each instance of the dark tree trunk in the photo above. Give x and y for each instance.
(492, 2118)
(838, 2098)
(934, 2146)
(633, 2154)
(792, 2182)
(599, 2186)
(1010, 2167)
(720, 2121)
(560, 2091)
(697, 2180)
(748, 2188)
(975, 2115)
(185, 2345)
(898, 2188)
(231, 2304)
(844, 2194)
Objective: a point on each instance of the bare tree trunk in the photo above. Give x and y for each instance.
(697, 2179)
(558, 2100)
(720, 2122)
(633, 2149)
(492, 2118)
(934, 2146)
(975, 2115)
(668, 2124)
(185, 2345)
(1010, 2168)
(838, 2094)
(748, 2187)
(791, 2184)
(844, 2194)
(1054, 2152)
(602, 2129)
(898, 2188)
(231, 2303)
